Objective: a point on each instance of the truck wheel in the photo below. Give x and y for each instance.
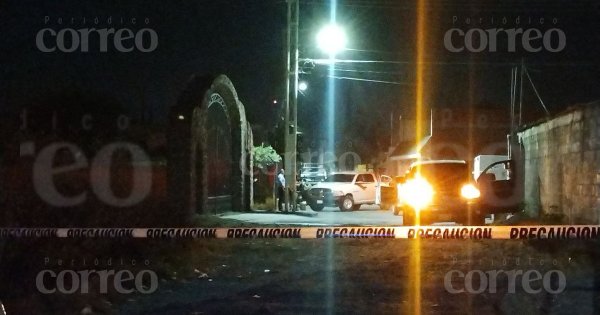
(317, 207)
(347, 203)
(408, 218)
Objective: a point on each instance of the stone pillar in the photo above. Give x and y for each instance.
(184, 151)
(187, 149)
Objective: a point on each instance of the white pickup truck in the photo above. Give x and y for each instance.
(347, 190)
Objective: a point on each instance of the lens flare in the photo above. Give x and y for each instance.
(415, 261)
(417, 193)
(469, 191)
(332, 39)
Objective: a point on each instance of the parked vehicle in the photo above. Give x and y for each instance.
(439, 190)
(501, 185)
(312, 172)
(491, 164)
(302, 193)
(346, 190)
(389, 191)
(385, 180)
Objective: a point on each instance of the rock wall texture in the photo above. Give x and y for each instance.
(187, 145)
(562, 165)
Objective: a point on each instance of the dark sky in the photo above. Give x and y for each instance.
(244, 40)
(204, 37)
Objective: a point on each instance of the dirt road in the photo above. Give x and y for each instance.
(367, 215)
(318, 276)
(379, 277)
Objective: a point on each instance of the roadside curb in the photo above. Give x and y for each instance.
(302, 213)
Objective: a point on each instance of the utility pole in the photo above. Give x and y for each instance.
(391, 128)
(521, 92)
(513, 100)
(291, 111)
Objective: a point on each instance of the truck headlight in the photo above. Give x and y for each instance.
(469, 191)
(417, 193)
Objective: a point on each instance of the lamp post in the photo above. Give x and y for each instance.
(291, 110)
(302, 86)
(331, 39)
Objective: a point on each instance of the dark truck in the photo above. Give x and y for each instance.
(443, 190)
(439, 190)
(504, 194)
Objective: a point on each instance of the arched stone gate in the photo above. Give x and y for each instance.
(205, 99)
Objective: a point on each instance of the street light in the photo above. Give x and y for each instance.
(330, 39)
(302, 86)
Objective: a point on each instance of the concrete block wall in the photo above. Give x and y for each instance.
(562, 165)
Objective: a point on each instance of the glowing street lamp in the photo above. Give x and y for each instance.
(302, 86)
(332, 39)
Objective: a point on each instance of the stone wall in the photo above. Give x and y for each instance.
(562, 165)
(187, 146)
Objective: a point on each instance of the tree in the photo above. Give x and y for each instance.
(265, 156)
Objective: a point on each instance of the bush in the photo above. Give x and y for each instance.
(265, 156)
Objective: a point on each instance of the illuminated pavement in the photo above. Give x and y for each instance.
(367, 215)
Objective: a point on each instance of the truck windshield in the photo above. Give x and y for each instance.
(443, 172)
(340, 178)
(312, 170)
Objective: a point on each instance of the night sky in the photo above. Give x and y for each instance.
(244, 39)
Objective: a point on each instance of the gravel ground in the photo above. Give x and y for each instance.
(375, 276)
(320, 276)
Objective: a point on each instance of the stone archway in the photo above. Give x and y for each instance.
(219, 163)
(191, 148)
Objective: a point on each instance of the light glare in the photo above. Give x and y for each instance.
(417, 192)
(332, 39)
(302, 86)
(469, 191)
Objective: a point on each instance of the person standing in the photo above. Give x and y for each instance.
(281, 189)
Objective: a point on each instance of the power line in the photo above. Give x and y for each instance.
(536, 92)
(575, 6)
(371, 71)
(368, 80)
(374, 51)
(450, 63)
